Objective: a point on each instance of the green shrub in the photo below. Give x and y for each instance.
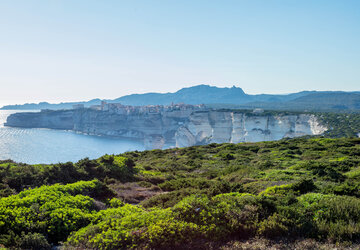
(122, 229)
(170, 199)
(176, 184)
(33, 241)
(337, 217)
(115, 203)
(198, 192)
(225, 214)
(301, 187)
(274, 226)
(349, 188)
(170, 232)
(195, 209)
(53, 211)
(281, 190)
(304, 186)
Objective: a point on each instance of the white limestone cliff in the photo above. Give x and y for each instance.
(235, 127)
(175, 128)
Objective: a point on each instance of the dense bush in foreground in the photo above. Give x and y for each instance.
(290, 189)
(233, 214)
(15, 177)
(49, 212)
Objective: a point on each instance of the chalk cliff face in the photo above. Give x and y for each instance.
(47, 119)
(217, 127)
(177, 128)
(155, 129)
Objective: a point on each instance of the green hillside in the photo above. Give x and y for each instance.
(302, 193)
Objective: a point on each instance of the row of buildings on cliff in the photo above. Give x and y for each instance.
(119, 108)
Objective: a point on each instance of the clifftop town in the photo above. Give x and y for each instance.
(118, 108)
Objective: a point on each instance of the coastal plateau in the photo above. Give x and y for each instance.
(180, 128)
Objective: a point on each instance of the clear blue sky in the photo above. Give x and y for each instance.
(78, 50)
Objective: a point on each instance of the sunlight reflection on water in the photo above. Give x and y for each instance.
(35, 145)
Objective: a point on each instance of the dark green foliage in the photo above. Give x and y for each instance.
(336, 217)
(341, 125)
(349, 188)
(16, 177)
(212, 187)
(33, 241)
(170, 199)
(292, 188)
(25, 241)
(51, 211)
(325, 170)
(176, 184)
(304, 186)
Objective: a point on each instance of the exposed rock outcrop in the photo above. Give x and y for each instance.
(235, 127)
(177, 128)
(46, 119)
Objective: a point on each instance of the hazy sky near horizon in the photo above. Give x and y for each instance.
(79, 50)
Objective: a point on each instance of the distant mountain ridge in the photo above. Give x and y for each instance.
(224, 97)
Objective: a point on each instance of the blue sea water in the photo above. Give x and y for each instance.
(36, 145)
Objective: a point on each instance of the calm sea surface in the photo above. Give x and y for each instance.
(35, 145)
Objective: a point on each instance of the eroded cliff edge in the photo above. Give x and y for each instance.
(175, 128)
(235, 127)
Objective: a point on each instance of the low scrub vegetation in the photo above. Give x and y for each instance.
(296, 191)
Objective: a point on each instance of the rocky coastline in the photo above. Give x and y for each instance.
(180, 128)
